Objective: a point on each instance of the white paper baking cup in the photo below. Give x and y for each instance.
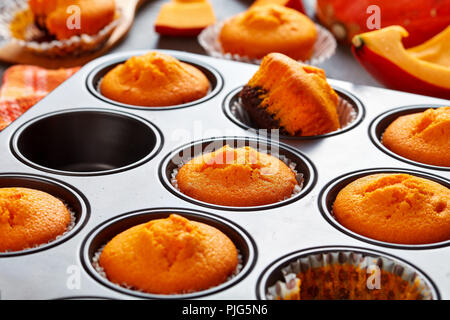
(76, 45)
(324, 48)
(346, 112)
(287, 288)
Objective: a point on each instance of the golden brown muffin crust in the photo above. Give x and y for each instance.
(423, 137)
(170, 256)
(397, 208)
(29, 218)
(240, 177)
(269, 28)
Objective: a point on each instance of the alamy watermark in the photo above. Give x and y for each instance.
(73, 22)
(373, 22)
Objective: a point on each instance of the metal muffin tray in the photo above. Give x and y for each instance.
(111, 163)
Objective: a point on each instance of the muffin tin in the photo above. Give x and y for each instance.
(111, 163)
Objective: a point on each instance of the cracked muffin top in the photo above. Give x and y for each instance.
(240, 177)
(154, 80)
(170, 256)
(29, 218)
(269, 28)
(423, 137)
(397, 208)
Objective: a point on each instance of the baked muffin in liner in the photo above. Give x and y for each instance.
(96, 264)
(30, 37)
(346, 112)
(71, 225)
(349, 275)
(324, 48)
(291, 164)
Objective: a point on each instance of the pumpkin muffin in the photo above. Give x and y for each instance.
(397, 208)
(269, 28)
(423, 137)
(29, 218)
(170, 256)
(295, 98)
(240, 177)
(154, 80)
(53, 15)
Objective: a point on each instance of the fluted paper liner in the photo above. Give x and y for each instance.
(286, 288)
(76, 45)
(324, 48)
(346, 112)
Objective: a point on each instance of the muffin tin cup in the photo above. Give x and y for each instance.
(279, 229)
(105, 232)
(95, 77)
(72, 198)
(86, 142)
(350, 110)
(274, 281)
(329, 193)
(306, 171)
(324, 47)
(379, 125)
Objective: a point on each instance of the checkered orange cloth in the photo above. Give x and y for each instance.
(23, 86)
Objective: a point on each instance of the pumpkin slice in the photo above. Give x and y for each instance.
(424, 69)
(184, 17)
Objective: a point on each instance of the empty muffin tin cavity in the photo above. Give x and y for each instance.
(329, 193)
(86, 142)
(98, 238)
(75, 202)
(350, 110)
(305, 170)
(278, 278)
(380, 124)
(95, 77)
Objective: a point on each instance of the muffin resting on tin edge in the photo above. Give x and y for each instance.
(240, 177)
(269, 28)
(396, 208)
(170, 256)
(154, 80)
(295, 98)
(423, 137)
(29, 218)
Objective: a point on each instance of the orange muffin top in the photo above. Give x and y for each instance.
(55, 15)
(422, 137)
(237, 177)
(297, 95)
(154, 79)
(397, 208)
(29, 218)
(170, 256)
(269, 28)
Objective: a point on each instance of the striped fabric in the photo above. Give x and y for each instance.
(23, 86)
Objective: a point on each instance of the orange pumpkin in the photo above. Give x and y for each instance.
(421, 18)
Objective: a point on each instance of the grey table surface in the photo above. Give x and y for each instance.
(341, 66)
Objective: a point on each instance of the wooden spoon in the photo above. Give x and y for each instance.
(12, 52)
